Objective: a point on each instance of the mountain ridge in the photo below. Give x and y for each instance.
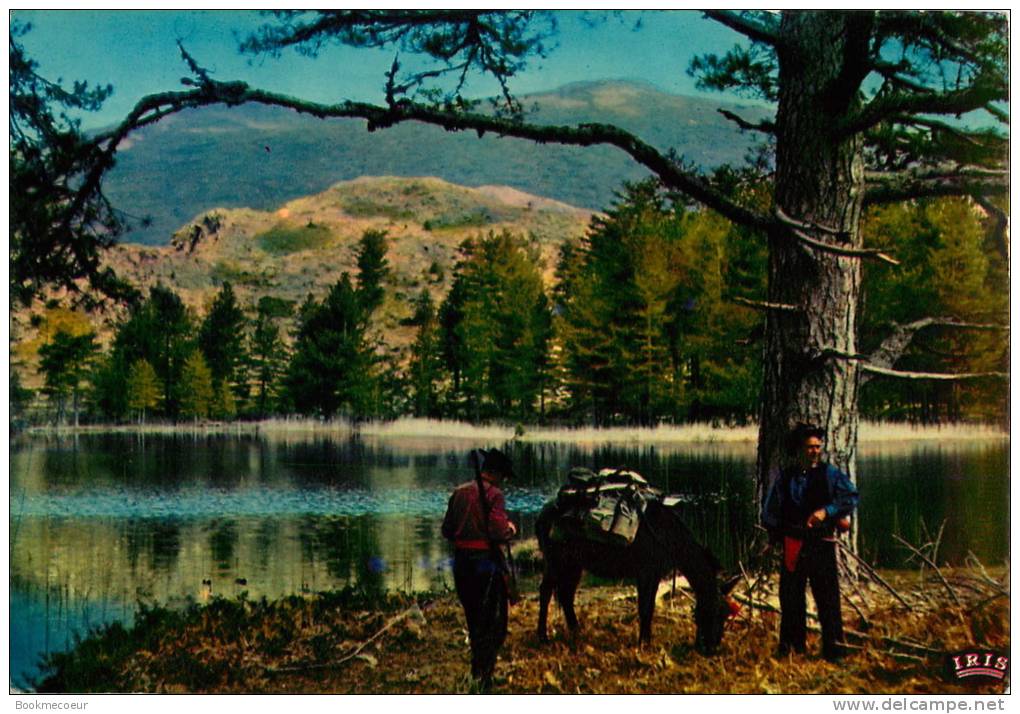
(305, 245)
(262, 157)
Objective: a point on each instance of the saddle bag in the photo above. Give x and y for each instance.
(602, 507)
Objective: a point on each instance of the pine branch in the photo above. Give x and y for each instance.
(798, 228)
(966, 136)
(755, 31)
(764, 305)
(893, 346)
(936, 376)
(872, 253)
(766, 127)
(668, 171)
(960, 101)
(891, 187)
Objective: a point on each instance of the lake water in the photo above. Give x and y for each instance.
(99, 523)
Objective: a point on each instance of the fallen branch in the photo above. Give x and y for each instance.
(890, 641)
(933, 566)
(413, 610)
(874, 574)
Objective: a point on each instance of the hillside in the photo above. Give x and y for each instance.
(260, 157)
(305, 245)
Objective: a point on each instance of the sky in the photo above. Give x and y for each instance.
(136, 52)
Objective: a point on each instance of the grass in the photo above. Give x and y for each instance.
(872, 434)
(365, 208)
(284, 240)
(229, 271)
(353, 641)
(470, 219)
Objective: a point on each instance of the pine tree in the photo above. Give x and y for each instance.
(221, 338)
(425, 367)
(143, 388)
(268, 355)
(196, 387)
(373, 269)
(64, 361)
(60, 221)
(332, 369)
(495, 325)
(160, 331)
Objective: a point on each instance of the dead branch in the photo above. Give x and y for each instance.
(889, 641)
(933, 566)
(874, 574)
(938, 376)
(893, 346)
(763, 305)
(414, 611)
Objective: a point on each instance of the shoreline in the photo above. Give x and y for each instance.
(431, 429)
(348, 641)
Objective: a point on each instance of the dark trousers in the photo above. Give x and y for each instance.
(817, 564)
(482, 591)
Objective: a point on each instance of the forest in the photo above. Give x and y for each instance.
(650, 319)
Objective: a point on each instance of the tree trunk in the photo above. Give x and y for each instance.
(819, 181)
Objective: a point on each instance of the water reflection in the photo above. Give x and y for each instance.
(99, 522)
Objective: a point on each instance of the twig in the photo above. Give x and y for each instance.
(934, 567)
(857, 609)
(890, 641)
(358, 650)
(878, 578)
(973, 562)
(854, 582)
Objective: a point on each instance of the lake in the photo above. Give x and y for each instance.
(100, 522)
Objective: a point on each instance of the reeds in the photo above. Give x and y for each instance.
(411, 428)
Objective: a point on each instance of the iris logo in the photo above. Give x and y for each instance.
(977, 665)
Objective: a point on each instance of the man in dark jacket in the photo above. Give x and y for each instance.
(477, 524)
(806, 504)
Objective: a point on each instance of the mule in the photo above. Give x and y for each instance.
(663, 544)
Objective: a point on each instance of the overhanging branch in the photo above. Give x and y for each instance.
(893, 346)
(766, 127)
(744, 25)
(937, 376)
(961, 101)
(379, 117)
(905, 185)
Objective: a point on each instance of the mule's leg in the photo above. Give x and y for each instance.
(647, 586)
(545, 591)
(566, 588)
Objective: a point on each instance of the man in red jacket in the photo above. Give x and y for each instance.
(477, 524)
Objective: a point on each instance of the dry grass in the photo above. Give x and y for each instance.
(402, 645)
(879, 435)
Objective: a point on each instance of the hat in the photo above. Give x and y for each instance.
(495, 461)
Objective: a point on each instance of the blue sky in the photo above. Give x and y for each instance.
(136, 52)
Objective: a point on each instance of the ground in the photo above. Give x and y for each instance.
(346, 643)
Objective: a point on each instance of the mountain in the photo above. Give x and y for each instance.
(261, 157)
(305, 245)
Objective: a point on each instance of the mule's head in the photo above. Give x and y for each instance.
(711, 614)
